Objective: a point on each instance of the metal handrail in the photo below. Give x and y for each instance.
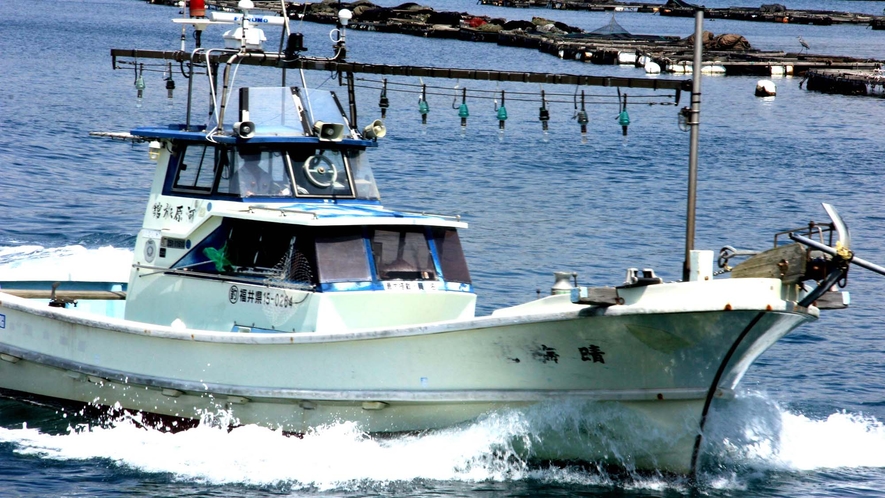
(226, 278)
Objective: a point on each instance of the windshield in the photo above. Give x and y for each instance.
(320, 172)
(281, 170)
(255, 172)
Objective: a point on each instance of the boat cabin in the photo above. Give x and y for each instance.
(281, 230)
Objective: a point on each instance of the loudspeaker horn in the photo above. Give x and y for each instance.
(329, 131)
(244, 129)
(375, 130)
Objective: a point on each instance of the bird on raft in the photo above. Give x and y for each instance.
(805, 45)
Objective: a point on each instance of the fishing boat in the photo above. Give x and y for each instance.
(269, 281)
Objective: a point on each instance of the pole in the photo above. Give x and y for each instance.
(190, 94)
(351, 98)
(694, 121)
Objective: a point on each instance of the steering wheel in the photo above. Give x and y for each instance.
(320, 171)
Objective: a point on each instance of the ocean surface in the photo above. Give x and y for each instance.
(807, 420)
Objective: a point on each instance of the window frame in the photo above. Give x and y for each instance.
(180, 159)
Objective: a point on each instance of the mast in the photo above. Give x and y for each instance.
(694, 121)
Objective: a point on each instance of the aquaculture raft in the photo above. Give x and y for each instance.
(727, 54)
(853, 82)
(766, 13)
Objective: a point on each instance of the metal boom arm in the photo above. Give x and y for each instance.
(278, 60)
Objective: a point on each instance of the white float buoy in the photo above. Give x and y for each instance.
(652, 68)
(681, 67)
(627, 58)
(766, 88)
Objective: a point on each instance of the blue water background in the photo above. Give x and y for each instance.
(535, 204)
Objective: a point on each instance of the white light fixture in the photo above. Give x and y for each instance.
(344, 16)
(154, 150)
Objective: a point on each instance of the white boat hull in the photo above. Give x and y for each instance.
(656, 361)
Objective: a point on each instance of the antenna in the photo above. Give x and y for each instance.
(247, 36)
(196, 10)
(344, 17)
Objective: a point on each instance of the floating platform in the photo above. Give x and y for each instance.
(592, 6)
(853, 82)
(675, 55)
(726, 54)
(775, 13)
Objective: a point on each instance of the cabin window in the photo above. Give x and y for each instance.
(304, 257)
(259, 249)
(196, 169)
(451, 256)
(402, 254)
(254, 172)
(320, 172)
(342, 257)
(253, 250)
(363, 179)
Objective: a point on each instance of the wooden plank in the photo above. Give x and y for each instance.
(785, 262)
(599, 296)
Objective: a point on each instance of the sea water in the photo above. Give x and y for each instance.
(807, 418)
